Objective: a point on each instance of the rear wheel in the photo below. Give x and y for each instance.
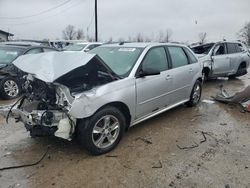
(195, 94)
(102, 132)
(9, 88)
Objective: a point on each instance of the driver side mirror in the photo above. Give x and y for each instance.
(148, 72)
(86, 50)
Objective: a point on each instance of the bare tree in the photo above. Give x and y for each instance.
(121, 39)
(160, 36)
(80, 34)
(202, 37)
(139, 38)
(69, 32)
(110, 39)
(167, 35)
(147, 39)
(244, 33)
(90, 38)
(164, 36)
(130, 39)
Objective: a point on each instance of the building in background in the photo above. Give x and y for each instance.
(5, 36)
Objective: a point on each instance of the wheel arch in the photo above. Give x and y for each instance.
(200, 79)
(206, 71)
(244, 64)
(123, 108)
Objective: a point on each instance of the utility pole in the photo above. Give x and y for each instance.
(96, 22)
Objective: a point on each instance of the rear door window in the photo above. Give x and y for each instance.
(156, 59)
(178, 57)
(231, 48)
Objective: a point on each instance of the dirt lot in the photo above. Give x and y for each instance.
(222, 160)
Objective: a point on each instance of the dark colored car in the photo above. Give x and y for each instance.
(11, 76)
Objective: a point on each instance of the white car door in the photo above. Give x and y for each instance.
(234, 53)
(152, 91)
(221, 60)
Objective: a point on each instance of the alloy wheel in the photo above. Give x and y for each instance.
(106, 131)
(11, 88)
(197, 93)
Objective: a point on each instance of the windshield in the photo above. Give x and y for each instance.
(9, 54)
(203, 49)
(120, 59)
(75, 47)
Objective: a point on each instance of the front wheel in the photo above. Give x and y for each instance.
(103, 131)
(195, 94)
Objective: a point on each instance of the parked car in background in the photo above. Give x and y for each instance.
(223, 59)
(26, 43)
(82, 46)
(98, 95)
(11, 76)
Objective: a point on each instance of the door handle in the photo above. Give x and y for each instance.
(169, 77)
(190, 70)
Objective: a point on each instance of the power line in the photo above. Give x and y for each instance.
(37, 14)
(45, 18)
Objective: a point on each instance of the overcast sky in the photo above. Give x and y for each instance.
(34, 19)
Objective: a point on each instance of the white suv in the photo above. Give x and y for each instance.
(226, 59)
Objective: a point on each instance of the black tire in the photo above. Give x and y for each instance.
(232, 77)
(205, 74)
(85, 130)
(16, 87)
(193, 100)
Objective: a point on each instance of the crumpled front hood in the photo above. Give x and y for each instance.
(52, 65)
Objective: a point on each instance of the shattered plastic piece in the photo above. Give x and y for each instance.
(242, 98)
(64, 129)
(144, 140)
(158, 165)
(208, 101)
(8, 153)
(246, 105)
(239, 97)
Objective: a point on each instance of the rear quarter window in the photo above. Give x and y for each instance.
(191, 57)
(240, 47)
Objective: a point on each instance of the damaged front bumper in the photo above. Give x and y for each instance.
(43, 122)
